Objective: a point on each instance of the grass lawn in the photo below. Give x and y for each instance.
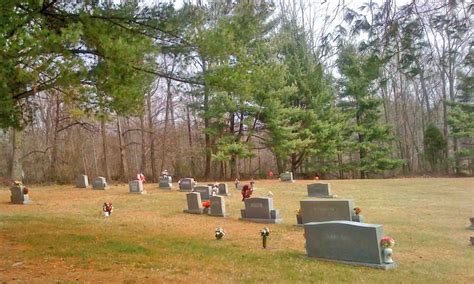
(62, 236)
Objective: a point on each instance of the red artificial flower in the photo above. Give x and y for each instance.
(25, 190)
(357, 210)
(206, 204)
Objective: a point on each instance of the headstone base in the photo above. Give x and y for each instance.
(193, 211)
(322, 196)
(139, 192)
(185, 190)
(25, 200)
(166, 185)
(220, 215)
(372, 265)
(266, 221)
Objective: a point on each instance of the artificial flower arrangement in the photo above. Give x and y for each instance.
(219, 233)
(387, 242)
(25, 190)
(107, 208)
(206, 204)
(265, 232)
(357, 210)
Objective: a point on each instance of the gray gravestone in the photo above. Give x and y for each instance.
(223, 189)
(165, 182)
(326, 210)
(136, 186)
(193, 200)
(286, 177)
(260, 209)
(82, 181)
(99, 183)
(217, 206)
(18, 196)
(186, 184)
(346, 241)
(322, 190)
(204, 190)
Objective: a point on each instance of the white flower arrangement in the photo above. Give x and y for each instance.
(220, 233)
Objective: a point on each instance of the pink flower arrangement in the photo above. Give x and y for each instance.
(387, 242)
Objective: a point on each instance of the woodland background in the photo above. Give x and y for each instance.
(220, 89)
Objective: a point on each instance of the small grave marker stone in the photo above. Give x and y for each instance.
(322, 190)
(82, 181)
(99, 183)
(19, 194)
(217, 206)
(165, 182)
(286, 177)
(223, 189)
(193, 200)
(136, 186)
(204, 190)
(260, 210)
(186, 184)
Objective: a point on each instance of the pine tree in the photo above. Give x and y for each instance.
(368, 137)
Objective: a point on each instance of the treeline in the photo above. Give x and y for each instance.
(223, 89)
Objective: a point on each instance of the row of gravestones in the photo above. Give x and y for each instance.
(333, 231)
(330, 232)
(135, 186)
(326, 209)
(100, 183)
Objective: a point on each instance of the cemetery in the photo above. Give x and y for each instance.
(66, 227)
(243, 141)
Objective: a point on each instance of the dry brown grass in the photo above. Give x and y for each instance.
(63, 237)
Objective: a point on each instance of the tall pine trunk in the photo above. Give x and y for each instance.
(105, 159)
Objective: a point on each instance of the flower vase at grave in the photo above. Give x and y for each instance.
(387, 255)
(106, 214)
(264, 239)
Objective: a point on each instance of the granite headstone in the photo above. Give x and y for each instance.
(186, 184)
(136, 186)
(346, 241)
(204, 190)
(322, 190)
(260, 210)
(217, 206)
(223, 189)
(82, 181)
(326, 210)
(165, 182)
(18, 195)
(99, 183)
(286, 177)
(193, 200)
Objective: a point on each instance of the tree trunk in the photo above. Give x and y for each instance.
(54, 147)
(190, 141)
(123, 174)
(105, 162)
(143, 146)
(152, 140)
(16, 171)
(164, 149)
